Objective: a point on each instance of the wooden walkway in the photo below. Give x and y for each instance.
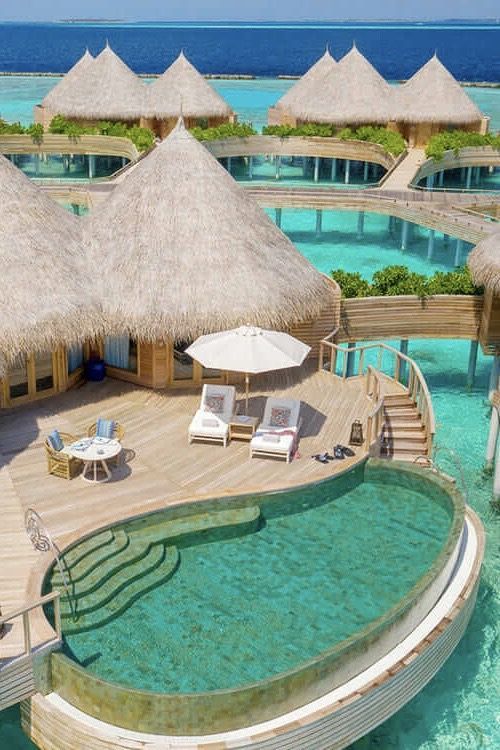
(160, 467)
(402, 176)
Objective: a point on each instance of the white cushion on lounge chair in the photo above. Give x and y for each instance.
(211, 425)
(281, 417)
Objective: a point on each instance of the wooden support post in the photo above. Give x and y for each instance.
(277, 164)
(404, 235)
(365, 171)
(403, 348)
(91, 166)
(334, 170)
(229, 164)
(351, 357)
(430, 244)
(478, 175)
(468, 181)
(430, 182)
(471, 371)
(458, 252)
(494, 376)
(250, 167)
(347, 171)
(278, 217)
(441, 178)
(361, 224)
(316, 168)
(37, 164)
(446, 241)
(319, 222)
(304, 167)
(491, 446)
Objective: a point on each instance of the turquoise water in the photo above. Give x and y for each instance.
(249, 98)
(456, 179)
(72, 167)
(339, 245)
(299, 170)
(241, 610)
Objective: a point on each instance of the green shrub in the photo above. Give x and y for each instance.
(11, 128)
(352, 284)
(398, 280)
(454, 140)
(393, 143)
(142, 138)
(226, 130)
(35, 130)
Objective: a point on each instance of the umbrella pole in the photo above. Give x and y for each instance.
(247, 387)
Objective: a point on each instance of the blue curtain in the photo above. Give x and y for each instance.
(116, 351)
(75, 358)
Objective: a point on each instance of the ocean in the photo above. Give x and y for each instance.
(470, 51)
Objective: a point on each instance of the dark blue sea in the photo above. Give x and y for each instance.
(471, 51)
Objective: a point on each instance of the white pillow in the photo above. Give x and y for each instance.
(209, 422)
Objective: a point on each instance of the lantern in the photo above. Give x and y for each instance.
(356, 433)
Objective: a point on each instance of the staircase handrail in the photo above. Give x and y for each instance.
(53, 596)
(375, 419)
(417, 387)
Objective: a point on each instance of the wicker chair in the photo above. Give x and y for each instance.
(118, 434)
(59, 463)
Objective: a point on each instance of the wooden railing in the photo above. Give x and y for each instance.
(375, 419)
(402, 370)
(477, 156)
(51, 143)
(24, 612)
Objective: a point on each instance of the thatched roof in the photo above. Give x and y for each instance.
(352, 93)
(182, 89)
(311, 83)
(433, 95)
(484, 262)
(64, 89)
(103, 88)
(188, 251)
(42, 292)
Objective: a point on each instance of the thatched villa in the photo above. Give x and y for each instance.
(350, 92)
(189, 252)
(431, 101)
(97, 89)
(353, 93)
(46, 305)
(309, 84)
(182, 89)
(484, 263)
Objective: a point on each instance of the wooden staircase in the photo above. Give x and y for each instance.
(403, 435)
(17, 682)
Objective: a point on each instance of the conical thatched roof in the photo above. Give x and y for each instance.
(352, 93)
(43, 296)
(187, 251)
(182, 88)
(484, 262)
(433, 95)
(66, 86)
(311, 83)
(105, 88)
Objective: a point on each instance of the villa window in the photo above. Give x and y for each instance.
(121, 352)
(18, 379)
(183, 364)
(30, 376)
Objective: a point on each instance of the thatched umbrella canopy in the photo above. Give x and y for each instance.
(188, 251)
(484, 262)
(44, 300)
(311, 83)
(353, 93)
(103, 89)
(182, 88)
(58, 96)
(433, 95)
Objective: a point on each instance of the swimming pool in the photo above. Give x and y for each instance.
(265, 610)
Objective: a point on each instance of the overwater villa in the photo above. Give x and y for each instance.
(181, 88)
(353, 93)
(166, 578)
(104, 88)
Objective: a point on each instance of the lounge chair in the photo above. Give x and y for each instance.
(211, 421)
(278, 433)
(59, 461)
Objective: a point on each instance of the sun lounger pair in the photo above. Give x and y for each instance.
(277, 435)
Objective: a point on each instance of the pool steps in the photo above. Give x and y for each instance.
(109, 571)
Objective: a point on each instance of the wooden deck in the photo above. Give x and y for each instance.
(160, 468)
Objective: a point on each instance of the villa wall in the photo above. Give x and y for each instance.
(489, 333)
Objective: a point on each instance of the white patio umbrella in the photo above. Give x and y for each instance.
(250, 350)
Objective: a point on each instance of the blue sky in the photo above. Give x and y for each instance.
(266, 10)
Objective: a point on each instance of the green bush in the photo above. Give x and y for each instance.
(454, 140)
(143, 138)
(392, 142)
(398, 280)
(11, 128)
(226, 130)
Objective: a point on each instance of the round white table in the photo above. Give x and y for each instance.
(95, 453)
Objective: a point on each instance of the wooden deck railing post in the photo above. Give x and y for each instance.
(27, 632)
(57, 616)
(320, 356)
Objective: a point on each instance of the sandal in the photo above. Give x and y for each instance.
(338, 452)
(321, 457)
(347, 451)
